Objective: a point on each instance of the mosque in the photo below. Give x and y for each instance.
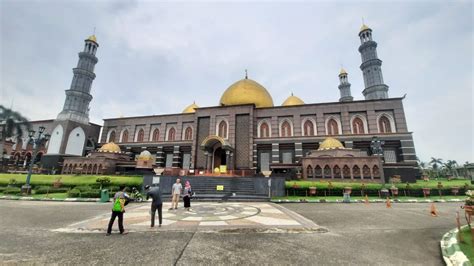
(246, 134)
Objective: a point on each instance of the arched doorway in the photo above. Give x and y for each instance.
(218, 153)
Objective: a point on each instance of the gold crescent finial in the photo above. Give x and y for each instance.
(246, 74)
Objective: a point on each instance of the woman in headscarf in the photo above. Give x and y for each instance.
(187, 195)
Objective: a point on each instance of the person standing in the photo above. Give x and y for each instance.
(156, 204)
(187, 195)
(118, 208)
(176, 193)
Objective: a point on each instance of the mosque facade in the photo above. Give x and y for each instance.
(247, 133)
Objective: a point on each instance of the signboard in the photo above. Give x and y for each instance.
(223, 169)
(219, 188)
(156, 180)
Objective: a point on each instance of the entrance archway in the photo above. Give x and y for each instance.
(218, 152)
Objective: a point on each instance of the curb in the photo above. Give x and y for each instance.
(363, 201)
(451, 251)
(50, 199)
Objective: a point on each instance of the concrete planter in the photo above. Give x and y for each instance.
(348, 190)
(312, 191)
(426, 192)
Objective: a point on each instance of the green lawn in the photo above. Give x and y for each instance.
(50, 196)
(70, 180)
(466, 246)
(433, 184)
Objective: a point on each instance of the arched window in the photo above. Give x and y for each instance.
(384, 125)
(356, 172)
(309, 171)
(188, 133)
(366, 171)
(337, 172)
(140, 135)
(357, 126)
(125, 136)
(264, 130)
(156, 135)
(112, 136)
(333, 127)
(318, 172)
(376, 171)
(308, 128)
(222, 132)
(171, 134)
(346, 172)
(285, 130)
(327, 172)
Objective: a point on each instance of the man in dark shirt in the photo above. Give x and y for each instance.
(156, 204)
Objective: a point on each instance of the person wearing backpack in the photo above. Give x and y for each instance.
(121, 199)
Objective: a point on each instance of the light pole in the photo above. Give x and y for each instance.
(36, 145)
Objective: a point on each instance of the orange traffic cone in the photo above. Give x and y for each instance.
(366, 201)
(433, 210)
(389, 203)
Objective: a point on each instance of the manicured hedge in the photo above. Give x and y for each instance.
(12, 191)
(46, 189)
(70, 180)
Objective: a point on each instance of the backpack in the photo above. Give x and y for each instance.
(119, 205)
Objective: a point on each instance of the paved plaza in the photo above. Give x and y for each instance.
(355, 234)
(204, 216)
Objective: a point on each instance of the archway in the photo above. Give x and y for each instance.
(218, 152)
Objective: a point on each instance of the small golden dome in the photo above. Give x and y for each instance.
(292, 100)
(92, 38)
(247, 91)
(110, 147)
(191, 108)
(364, 27)
(145, 155)
(342, 72)
(330, 144)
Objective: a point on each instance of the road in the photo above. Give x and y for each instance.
(357, 234)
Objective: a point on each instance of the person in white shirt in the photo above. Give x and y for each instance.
(176, 193)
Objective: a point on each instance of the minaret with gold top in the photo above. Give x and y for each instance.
(78, 97)
(344, 87)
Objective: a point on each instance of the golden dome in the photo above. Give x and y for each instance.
(364, 27)
(92, 38)
(292, 100)
(247, 91)
(145, 155)
(191, 108)
(331, 144)
(110, 147)
(343, 71)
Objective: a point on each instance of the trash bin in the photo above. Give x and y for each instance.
(346, 198)
(104, 195)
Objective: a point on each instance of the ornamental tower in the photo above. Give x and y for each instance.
(344, 87)
(371, 66)
(78, 97)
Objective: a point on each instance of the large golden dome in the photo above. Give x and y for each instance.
(247, 91)
(191, 108)
(110, 147)
(292, 100)
(331, 144)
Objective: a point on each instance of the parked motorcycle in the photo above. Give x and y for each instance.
(136, 195)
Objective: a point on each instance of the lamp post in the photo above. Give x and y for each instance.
(36, 145)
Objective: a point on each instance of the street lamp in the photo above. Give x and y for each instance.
(40, 139)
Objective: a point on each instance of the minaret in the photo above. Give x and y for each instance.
(344, 87)
(78, 97)
(371, 66)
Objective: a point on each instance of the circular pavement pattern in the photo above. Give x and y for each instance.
(213, 212)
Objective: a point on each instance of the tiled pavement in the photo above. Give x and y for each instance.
(203, 216)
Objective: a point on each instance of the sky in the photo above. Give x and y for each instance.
(159, 57)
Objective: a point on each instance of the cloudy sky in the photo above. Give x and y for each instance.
(157, 58)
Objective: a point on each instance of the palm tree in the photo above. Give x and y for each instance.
(11, 124)
(451, 166)
(436, 163)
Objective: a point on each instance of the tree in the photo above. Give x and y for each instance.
(11, 124)
(451, 166)
(436, 163)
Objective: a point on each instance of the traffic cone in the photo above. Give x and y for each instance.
(366, 201)
(389, 203)
(433, 210)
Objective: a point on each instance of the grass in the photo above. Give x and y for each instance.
(433, 184)
(466, 246)
(70, 180)
(51, 195)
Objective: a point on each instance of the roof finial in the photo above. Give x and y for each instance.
(94, 31)
(246, 74)
(363, 22)
(291, 93)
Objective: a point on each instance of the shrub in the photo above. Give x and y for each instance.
(103, 181)
(83, 188)
(12, 190)
(74, 193)
(2, 189)
(46, 189)
(94, 193)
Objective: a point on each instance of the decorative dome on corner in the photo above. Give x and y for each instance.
(292, 100)
(144, 155)
(110, 147)
(342, 72)
(330, 144)
(92, 38)
(246, 91)
(190, 108)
